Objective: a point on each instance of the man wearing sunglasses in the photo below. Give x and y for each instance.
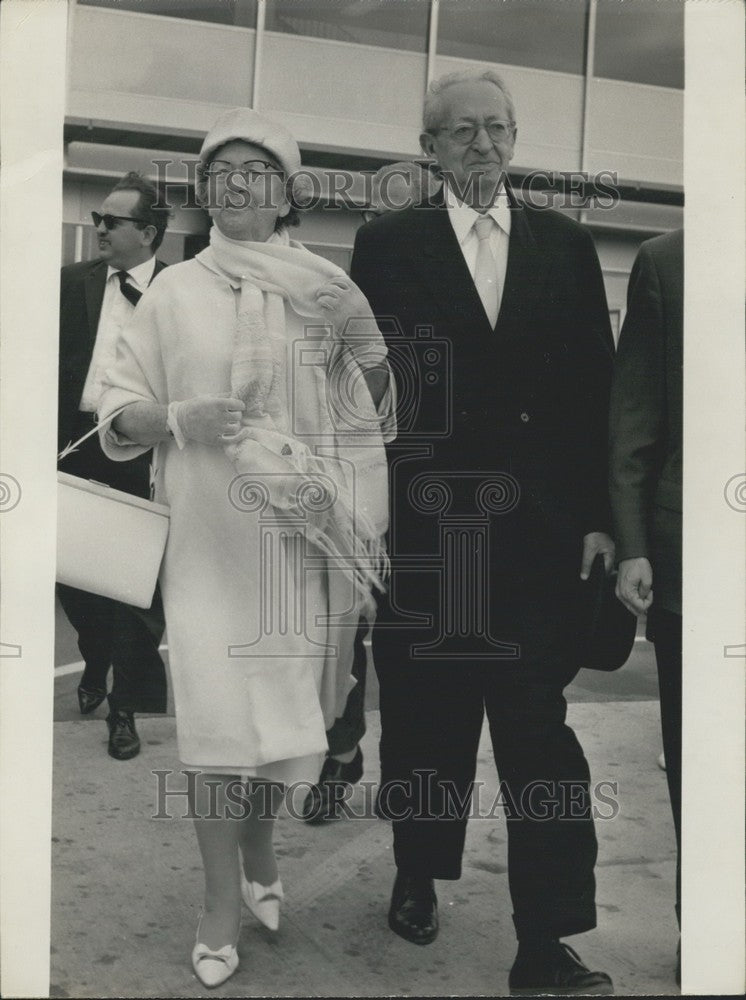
(499, 506)
(97, 298)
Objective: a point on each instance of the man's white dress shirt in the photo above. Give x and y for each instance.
(462, 219)
(115, 312)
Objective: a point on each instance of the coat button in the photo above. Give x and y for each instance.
(525, 417)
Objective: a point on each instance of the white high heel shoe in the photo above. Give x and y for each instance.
(213, 967)
(263, 901)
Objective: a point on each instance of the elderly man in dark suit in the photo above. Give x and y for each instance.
(645, 472)
(500, 341)
(393, 187)
(96, 299)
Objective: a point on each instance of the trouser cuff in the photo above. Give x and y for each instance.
(127, 704)
(557, 924)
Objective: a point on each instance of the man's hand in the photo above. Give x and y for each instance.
(634, 585)
(593, 543)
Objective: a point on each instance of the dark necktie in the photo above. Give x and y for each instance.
(131, 294)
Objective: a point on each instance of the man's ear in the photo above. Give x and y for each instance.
(426, 145)
(149, 234)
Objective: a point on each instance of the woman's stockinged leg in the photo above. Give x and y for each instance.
(217, 835)
(256, 832)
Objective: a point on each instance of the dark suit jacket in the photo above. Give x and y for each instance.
(646, 417)
(81, 295)
(529, 397)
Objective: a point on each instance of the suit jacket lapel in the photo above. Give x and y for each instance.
(440, 262)
(444, 270)
(95, 282)
(521, 278)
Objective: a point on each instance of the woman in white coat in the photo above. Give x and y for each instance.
(259, 375)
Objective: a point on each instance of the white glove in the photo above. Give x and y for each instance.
(205, 419)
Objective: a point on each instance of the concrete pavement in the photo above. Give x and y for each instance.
(127, 887)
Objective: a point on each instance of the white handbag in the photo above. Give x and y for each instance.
(108, 542)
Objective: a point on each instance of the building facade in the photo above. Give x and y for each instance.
(598, 88)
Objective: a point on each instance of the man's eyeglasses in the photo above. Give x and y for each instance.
(112, 221)
(252, 170)
(464, 134)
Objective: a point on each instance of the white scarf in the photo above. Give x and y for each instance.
(332, 476)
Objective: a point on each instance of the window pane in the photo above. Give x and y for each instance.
(68, 243)
(543, 34)
(641, 41)
(395, 24)
(237, 12)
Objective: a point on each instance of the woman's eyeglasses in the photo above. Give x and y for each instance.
(111, 221)
(252, 170)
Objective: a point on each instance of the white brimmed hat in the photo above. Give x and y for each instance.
(249, 126)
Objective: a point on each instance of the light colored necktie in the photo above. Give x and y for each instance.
(485, 272)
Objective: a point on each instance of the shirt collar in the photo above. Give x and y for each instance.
(140, 275)
(462, 216)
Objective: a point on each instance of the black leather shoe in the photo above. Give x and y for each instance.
(555, 969)
(124, 742)
(322, 801)
(413, 914)
(90, 699)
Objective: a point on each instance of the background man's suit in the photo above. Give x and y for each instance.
(109, 633)
(528, 398)
(646, 465)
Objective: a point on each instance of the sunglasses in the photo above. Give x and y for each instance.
(112, 221)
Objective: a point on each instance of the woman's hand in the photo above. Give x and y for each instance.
(208, 419)
(339, 301)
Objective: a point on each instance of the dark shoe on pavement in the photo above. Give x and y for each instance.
(413, 914)
(124, 742)
(321, 802)
(555, 969)
(89, 699)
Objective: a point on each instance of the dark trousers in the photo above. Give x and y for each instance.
(349, 728)
(112, 634)
(431, 719)
(665, 631)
